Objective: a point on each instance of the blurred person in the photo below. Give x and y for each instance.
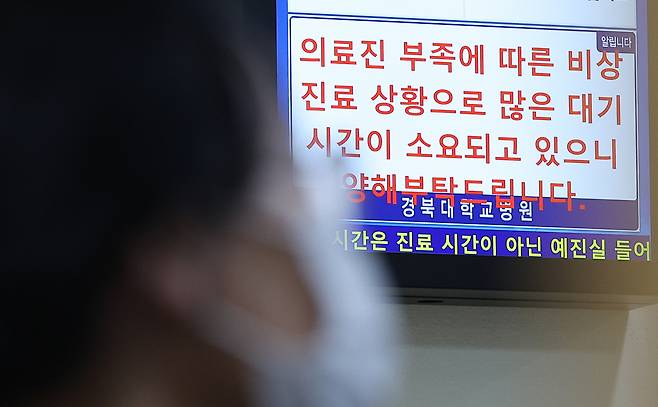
(156, 251)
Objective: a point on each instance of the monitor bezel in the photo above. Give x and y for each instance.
(559, 281)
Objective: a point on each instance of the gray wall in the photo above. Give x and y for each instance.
(510, 357)
(513, 357)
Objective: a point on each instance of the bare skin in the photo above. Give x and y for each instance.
(149, 354)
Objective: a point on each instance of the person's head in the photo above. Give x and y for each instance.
(132, 145)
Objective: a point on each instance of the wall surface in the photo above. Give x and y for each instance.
(511, 357)
(524, 357)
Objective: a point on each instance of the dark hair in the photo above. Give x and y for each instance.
(109, 122)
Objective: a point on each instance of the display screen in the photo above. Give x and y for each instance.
(475, 127)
